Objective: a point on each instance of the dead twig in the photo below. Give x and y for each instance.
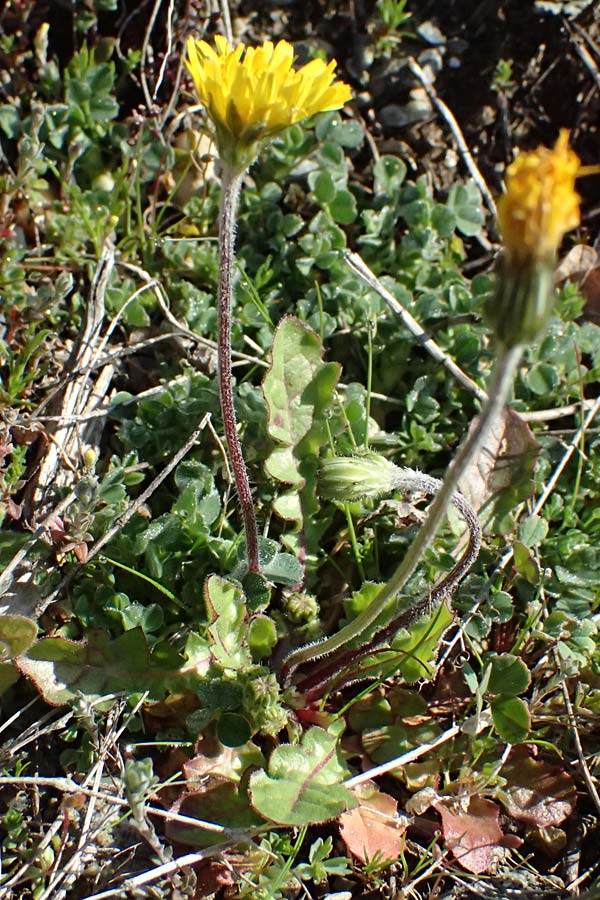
(463, 149)
(182, 862)
(162, 301)
(358, 265)
(579, 39)
(558, 412)
(585, 770)
(404, 759)
(226, 17)
(144, 57)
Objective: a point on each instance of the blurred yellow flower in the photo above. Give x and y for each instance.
(252, 93)
(540, 204)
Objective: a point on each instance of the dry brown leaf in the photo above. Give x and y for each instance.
(373, 829)
(474, 836)
(576, 265)
(581, 265)
(503, 469)
(538, 793)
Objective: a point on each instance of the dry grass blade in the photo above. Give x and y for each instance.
(80, 396)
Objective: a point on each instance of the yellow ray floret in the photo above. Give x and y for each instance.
(251, 94)
(540, 204)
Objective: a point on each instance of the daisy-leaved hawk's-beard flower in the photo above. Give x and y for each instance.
(539, 206)
(252, 93)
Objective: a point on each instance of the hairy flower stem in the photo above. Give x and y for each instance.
(231, 181)
(501, 382)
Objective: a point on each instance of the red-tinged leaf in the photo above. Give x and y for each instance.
(81, 551)
(581, 265)
(474, 836)
(212, 875)
(373, 830)
(538, 793)
(14, 510)
(57, 531)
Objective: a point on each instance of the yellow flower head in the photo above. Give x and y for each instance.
(252, 93)
(540, 204)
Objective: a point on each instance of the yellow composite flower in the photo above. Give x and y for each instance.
(253, 93)
(540, 204)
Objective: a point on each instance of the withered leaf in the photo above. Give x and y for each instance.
(474, 836)
(502, 474)
(372, 829)
(537, 792)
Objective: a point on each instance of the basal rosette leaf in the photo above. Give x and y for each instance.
(303, 785)
(62, 669)
(17, 634)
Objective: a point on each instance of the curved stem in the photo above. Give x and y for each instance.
(335, 671)
(501, 382)
(230, 192)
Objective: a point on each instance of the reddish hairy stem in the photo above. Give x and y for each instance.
(230, 191)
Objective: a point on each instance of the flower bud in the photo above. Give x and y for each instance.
(301, 607)
(348, 478)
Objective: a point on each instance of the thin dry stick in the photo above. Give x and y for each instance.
(182, 862)
(66, 785)
(463, 149)
(69, 872)
(115, 321)
(121, 351)
(579, 38)
(94, 361)
(167, 110)
(144, 59)
(557, 412)
(110, 407)
(168, 50)
(73, 867)
(6, 724)
(226, 16)
(37, 730)
(122, 520)
(358, 265)
(76, 393)
(585, 771)
(161, 298)
(404, 759)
